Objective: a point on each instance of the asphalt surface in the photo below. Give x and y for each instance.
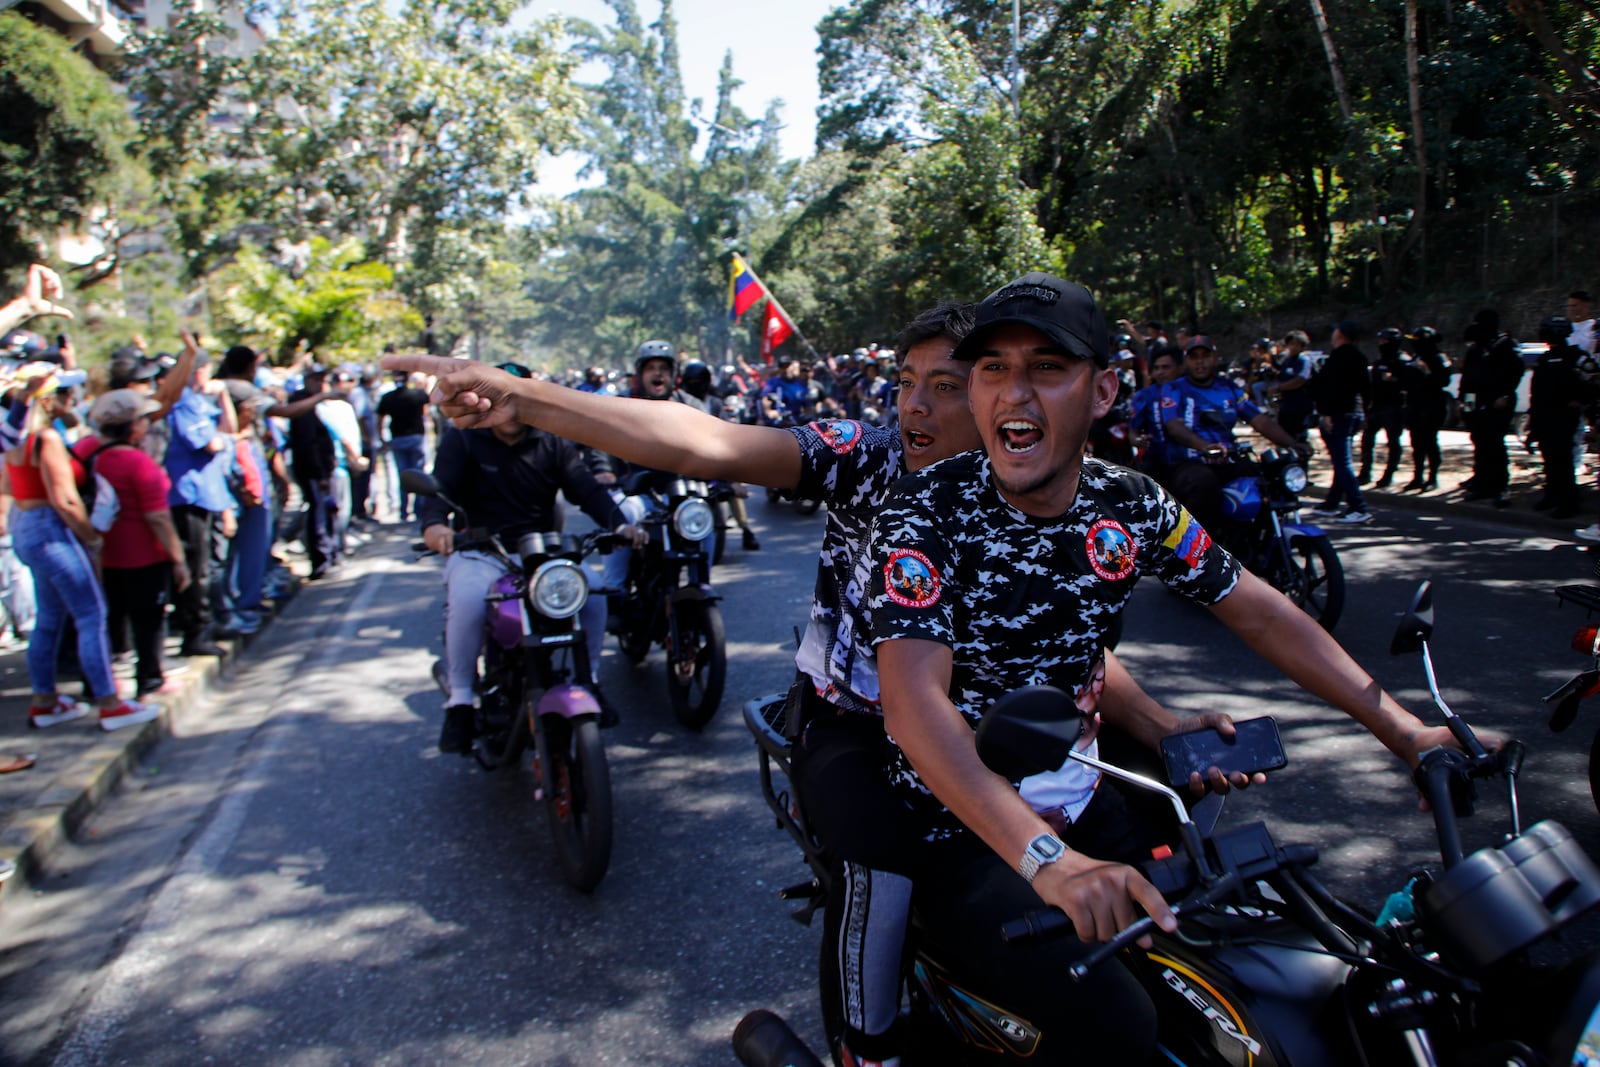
(44, 810)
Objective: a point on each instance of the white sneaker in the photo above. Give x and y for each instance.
(128, 713)
(65, 709)
(1353, 517)
(1588, 533)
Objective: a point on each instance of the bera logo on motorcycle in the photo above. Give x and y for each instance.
(1268, 966)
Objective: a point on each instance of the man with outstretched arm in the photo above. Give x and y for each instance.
(839, 761)
(1006, 567)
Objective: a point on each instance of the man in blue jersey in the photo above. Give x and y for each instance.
(1146, 424)
(1199, 411)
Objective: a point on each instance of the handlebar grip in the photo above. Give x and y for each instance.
(763, 1039)
(1511, 754)
(1040, 922)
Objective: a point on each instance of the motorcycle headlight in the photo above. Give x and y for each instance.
(559, 589)
(1294, 479)
(693, 520)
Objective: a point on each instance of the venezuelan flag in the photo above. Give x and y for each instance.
(1188, 539)
(743, 289)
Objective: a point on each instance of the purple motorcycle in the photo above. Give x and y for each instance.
(534, 686)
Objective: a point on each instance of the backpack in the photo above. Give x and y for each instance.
(99, 495)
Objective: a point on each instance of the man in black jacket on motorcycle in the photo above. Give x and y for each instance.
(1007, 567)
(505, 479)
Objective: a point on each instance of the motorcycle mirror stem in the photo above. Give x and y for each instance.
(1457, 725)
(1186, 826)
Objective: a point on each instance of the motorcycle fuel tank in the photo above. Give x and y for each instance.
(506, 624)
(1241, 499)
(1250, 1004)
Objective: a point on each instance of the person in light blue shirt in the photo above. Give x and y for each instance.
(199, 456)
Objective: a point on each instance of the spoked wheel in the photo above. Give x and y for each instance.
(697, 667)
(1315, 579)
(577, 797)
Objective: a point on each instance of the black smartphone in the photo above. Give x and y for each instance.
(1255, 746)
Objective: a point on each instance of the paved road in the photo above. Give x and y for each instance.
(298, 878)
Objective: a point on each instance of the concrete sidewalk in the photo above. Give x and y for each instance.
(79, 765)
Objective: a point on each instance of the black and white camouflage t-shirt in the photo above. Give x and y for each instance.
(1026, 601)
(852, 468)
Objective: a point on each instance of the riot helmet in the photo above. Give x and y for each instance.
(695, 379)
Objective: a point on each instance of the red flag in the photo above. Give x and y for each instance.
(775, 332)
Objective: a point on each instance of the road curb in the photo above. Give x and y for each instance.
(31, 836)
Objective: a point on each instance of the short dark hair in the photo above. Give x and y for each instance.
(237, 362)
(1581, 294)
(951, 319)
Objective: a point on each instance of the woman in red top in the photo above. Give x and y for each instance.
(52, 534)
(142, 556)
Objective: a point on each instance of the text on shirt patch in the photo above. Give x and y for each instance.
(841, 435)
(1111, 551)
(1188, 539)
(910, 580)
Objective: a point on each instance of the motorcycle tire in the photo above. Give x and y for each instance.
(719, 539)
(1317, 580)
(1594, 770)
(700, 634)
(577, 798)
(634, 644)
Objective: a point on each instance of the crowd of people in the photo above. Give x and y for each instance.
(155, 495)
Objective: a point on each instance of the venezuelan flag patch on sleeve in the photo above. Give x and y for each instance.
(1188, 539)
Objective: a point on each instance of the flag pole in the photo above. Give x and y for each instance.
(781, 310)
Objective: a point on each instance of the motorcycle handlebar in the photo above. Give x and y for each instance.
(763, 1039)
(1208, 896)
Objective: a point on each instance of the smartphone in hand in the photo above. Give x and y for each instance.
(1255, 746)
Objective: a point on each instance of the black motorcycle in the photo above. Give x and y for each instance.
(670, 600)
(1262, 529)
(1267, 965)
(534, 686)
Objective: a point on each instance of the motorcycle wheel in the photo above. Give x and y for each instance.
(702, 644)
(1316, 580)
(634, 643)
(1594, 770)
(577, 798)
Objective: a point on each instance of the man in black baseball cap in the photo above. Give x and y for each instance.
(1063, 311)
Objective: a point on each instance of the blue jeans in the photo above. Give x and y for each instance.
(65, 586)
(248, 553)
(1337, 440)
(408, 456)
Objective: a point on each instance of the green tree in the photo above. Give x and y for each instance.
(62, 135)
(333, 299)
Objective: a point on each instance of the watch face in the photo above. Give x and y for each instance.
(1047, 848)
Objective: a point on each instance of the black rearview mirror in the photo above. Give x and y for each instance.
(419, 483)
(1416, 626)
(1029, 731)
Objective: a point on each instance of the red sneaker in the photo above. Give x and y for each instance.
(65, 709)
(128, 713)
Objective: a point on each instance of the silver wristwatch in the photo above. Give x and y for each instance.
(1041, 851)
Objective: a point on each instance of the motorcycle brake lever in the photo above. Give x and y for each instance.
(1228, 883)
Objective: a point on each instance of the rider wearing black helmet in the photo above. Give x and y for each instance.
(695, 379)
(1386, 404)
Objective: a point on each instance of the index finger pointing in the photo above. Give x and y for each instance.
(438, 366)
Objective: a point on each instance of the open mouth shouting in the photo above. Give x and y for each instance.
(1020, 436)
(915, 440)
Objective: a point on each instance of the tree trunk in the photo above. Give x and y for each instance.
(1395, 262)
(1334, 69)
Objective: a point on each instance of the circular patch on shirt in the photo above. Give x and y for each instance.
(910, 579)
(1169, 402)
(841, 435)
(1111, 551)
